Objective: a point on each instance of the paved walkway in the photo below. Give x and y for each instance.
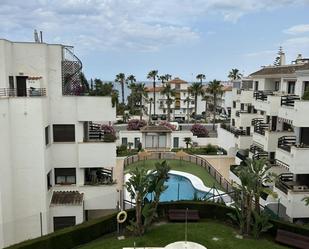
(222, 164)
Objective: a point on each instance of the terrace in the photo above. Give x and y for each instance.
(26, 92)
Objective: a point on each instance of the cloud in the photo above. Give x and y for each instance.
(139, 25)
(261, 53)
(297, 29)
(299, 42)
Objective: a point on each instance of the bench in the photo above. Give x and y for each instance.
(292, 239)
(180, 215)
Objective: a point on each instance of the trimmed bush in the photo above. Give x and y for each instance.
(199, 130)
(136, 124)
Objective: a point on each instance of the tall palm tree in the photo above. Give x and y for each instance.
(150, 100)
(187, 100)
(234, 74)
(206, 98)
(168, 92)
(121, 78)
(201, 77)
(215, 88)
(131, 78)
(195, 90)
(153, 75)
(141, 93)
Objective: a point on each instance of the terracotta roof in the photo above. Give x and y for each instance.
(287, 69)
(177, 81)
(155, 128)
(67, 198)
(158, 89)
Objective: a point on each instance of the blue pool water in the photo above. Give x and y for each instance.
(180, 188)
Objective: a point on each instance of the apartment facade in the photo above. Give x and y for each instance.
(56, 164)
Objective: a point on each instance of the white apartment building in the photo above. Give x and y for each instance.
(281, 132)
(56, 165)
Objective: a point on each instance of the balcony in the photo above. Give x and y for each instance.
(289, 100)
(286, 183)
(94, 133)
(260, 127)
(235, 131)
(29, 92)
(98, 176)
(295, 111)
(286, 142)
(262, 95)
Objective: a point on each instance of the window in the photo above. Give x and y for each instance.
(124, 141)
(65, 221)
(176, 142)
(49, 184)
(11, 82)
(177, 86)
(234, 104)
(136, 142)
(277, 85)
(233, 122)
(242, 106)
(65, 176)
(306, 86)
(46, 135)
(64, 133)
(256, 85)
(291, 87)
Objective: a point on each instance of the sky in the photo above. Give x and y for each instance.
(179, 37)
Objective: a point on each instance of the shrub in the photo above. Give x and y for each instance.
(168, 125)
(136, 124)
(109, 133)
(199, 130)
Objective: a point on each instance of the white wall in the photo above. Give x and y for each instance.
(227, 141)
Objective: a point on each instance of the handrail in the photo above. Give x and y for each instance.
(286, 142)
(262, 95)
(289, 100)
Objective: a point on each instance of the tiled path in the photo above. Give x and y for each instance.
(221, 163)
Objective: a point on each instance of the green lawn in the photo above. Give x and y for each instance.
(202, 233)
(184, 166)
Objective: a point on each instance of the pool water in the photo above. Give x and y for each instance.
(180, 188)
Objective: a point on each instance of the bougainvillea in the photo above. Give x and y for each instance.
(168, 125)
(136, 124)
(109, 133)
(199, 130)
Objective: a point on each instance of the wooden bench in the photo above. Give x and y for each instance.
(292, 239)
(180, 215)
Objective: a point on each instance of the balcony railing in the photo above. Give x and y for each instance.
(286, 142)
(29, 92)
(98, 176)
(286, 183)
(94, 133)
(262, 95)
(289, 100)
(260, 127)
(254, 149)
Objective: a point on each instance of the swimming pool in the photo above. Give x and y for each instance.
(180, 188)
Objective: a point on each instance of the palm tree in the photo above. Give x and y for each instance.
(121, 78)
(188, 100)
(150, 100)
(168, 92)
(196, 89)
(188, 141)
(162, 78)
(131, 78)
(168, 77)
(234, 74)
(141, 93)
(206, 98)
(201, 77)
(153, 75)
(215, 88)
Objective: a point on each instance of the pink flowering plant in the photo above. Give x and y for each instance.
(168, 125)
(199, 130)
(136, 124)
(109, 133)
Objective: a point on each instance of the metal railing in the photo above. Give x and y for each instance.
(260, 127)
(94, 133)
(289, 100)
(286, 142)
(202, 162)
(29, 92)
(262, 95)
(235, 131)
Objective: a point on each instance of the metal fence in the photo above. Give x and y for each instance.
(202, 162)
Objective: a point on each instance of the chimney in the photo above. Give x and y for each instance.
(282, 59)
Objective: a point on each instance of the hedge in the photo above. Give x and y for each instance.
(80, 234)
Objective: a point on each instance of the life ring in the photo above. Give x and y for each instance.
(124, 218)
